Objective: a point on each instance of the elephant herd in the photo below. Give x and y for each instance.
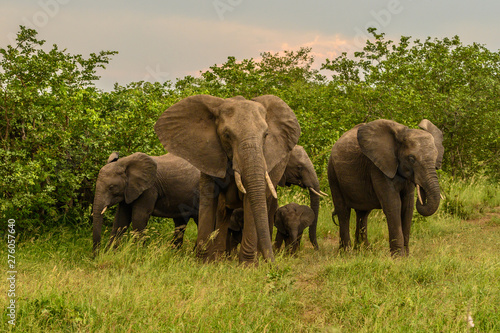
(227, 157)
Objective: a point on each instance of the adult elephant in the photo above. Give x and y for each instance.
(300, 171)
(377, 165)
(144, 186)
(241, 148)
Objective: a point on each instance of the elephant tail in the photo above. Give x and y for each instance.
(333, 217)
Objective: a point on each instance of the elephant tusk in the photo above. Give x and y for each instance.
(104, 210)
(237, 177)
(442, 196)
(419, 196)
(271, 186)
(320, 193)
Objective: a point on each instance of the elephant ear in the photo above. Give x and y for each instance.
(140, 170)
(307, 216)
(436, 133)
(282, 181)
(378, 141)
(113, 157)
(284, 129)
(187, 129)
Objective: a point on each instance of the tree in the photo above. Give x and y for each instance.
(48, 129)
(455, 86)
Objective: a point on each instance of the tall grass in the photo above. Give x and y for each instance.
(452, 273)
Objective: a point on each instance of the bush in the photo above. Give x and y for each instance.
(57, 129)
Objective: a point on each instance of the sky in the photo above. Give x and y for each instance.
(159, 40)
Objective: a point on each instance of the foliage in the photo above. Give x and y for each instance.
(57, 129)
(455, 86)
(48, 129)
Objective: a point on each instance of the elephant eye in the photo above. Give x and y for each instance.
(412, 159)
(266, 133)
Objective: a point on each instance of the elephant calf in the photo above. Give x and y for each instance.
(290, 221)
(144, 186)
(235, 230)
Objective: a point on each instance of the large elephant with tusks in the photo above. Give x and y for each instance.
(241, 148)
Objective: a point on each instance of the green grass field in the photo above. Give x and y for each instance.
(452, 274)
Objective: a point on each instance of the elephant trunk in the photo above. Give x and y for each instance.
(294, 242)
(98, 208)
(314, 204)
(430, 194)
(253, 173)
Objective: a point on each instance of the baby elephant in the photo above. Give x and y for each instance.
(235, 230)
(291, 220)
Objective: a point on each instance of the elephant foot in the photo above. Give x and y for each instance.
(178, 237)
(248, 258)
(345, 249)
(365, 245)
(399, 252)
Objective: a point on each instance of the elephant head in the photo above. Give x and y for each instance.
(413, 154)
(123, 179)
(300, 171)
(290, 221)
(234, 136)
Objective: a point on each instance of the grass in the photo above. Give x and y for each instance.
(452, 272)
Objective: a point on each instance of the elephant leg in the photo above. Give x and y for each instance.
(361, 235)
(390, 200)
(272, 207)
(180, 227)
(407, 205)
(342, 211)
(142, 209)
(233, 240)
(206, 217)
(222, 222)
(344, 216)
(278, 241)
(122, 221)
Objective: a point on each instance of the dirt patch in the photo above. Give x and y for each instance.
(488, 219)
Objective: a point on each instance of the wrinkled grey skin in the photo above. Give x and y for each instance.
(300, 171)
(144, 186)
(377, 165)
(290, 221)
(225, 139)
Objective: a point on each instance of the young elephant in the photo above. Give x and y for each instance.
(300, 171)
(235, 230)
(378, 165)
(144, 186)
(290, 221)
